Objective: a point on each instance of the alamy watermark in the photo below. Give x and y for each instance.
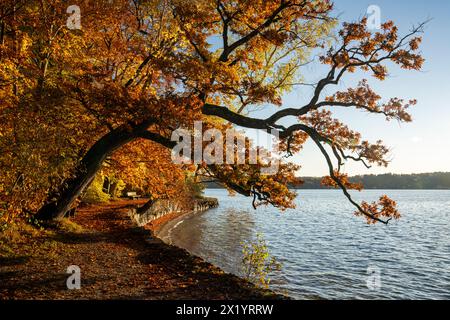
(374, 17)
(373, 281)
(74, 280)
(212, 148)
(74, 20)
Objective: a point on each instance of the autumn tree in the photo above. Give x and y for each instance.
(140, 69)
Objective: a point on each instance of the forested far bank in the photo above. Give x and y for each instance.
(422, 181)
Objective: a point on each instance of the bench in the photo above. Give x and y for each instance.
(133, 195)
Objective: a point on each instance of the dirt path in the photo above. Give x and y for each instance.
(117, 261)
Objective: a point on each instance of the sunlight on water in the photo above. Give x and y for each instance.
(326, 251)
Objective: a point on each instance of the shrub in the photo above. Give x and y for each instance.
(194, 187)
(94, 193)
(257, 263)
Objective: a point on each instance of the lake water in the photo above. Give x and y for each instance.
(325, 250)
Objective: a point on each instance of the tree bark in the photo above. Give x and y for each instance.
(145, 207)
(61, 201)
(113, 190)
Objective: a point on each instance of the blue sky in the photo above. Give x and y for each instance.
(421, 146)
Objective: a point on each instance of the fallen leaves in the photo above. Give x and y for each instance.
(111, 267)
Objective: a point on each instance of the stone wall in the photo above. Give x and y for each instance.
(163, 207)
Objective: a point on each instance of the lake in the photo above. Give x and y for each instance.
(326, 252)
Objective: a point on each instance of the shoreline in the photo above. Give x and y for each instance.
(160, 229)
(118, 260)
(162, 225)
(163, 229)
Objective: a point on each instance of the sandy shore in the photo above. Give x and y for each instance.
(164, 227)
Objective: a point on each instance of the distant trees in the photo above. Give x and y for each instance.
(431, 181)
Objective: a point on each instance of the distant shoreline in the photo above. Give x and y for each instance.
(421, 181)
(386, 189)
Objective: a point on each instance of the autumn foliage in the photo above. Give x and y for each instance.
(108, 96)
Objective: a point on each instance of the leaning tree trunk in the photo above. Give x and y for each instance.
(59, 203)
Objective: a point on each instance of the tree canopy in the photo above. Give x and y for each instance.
(116, 89)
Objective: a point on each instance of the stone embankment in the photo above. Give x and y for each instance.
(163, 207)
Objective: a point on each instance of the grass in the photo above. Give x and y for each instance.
(26, 240)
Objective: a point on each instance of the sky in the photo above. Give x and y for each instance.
(417, 147)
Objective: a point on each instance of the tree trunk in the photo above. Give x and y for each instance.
(59, 203)
(113, 190)
(145, 207)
